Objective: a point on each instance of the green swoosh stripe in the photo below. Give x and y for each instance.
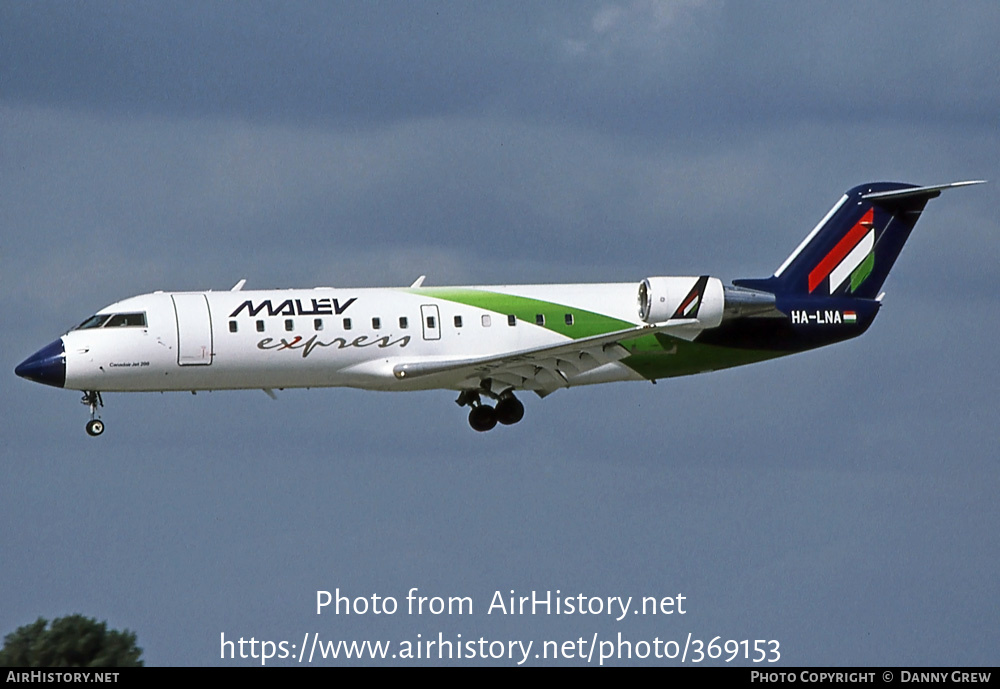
(585, 323)
(652, 356)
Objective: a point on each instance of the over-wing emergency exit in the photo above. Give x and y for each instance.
(490, 343)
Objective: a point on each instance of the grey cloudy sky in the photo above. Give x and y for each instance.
(842, 502)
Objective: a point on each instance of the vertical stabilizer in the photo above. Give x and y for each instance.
(850, 252)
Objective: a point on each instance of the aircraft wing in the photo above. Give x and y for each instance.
(541, 369)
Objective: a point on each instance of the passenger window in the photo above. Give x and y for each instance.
(487, 321)
(318, 324)
(260, 326)
(458, 321)
(404, 323)
(539, 319)
(233, 327)
(347, 324)
(569, 319)
(289, 324)
(431, 322)
(511, 320)
(376, 323)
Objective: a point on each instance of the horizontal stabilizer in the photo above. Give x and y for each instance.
(924, 192)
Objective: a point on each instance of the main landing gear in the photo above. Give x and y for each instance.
(483, 417)
(92, 399)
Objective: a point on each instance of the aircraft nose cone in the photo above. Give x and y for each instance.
(47, 365)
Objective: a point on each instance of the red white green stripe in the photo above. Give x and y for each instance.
(853, 257)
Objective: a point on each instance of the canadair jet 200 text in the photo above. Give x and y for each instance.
(488, 343)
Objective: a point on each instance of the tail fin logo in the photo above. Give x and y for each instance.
(852, 258)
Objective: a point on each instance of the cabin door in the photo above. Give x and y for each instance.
(194, 329)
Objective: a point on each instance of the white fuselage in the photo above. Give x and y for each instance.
(489, 343)
(334, 337)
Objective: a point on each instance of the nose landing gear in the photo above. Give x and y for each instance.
(92, 399)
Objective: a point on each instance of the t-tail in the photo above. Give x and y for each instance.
(850, 252)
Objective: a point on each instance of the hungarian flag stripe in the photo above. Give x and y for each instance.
(839, 252)
(853, 260)
(691, 306)
(862, 272)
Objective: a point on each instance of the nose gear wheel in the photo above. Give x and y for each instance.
(93, 399)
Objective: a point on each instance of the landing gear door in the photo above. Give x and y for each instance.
(430, 321)
(194, 329)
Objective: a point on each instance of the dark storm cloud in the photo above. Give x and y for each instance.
(635, 68)
(353, 61)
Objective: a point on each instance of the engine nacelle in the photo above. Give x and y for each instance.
(663, 298)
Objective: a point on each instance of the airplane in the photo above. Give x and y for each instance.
(490, 342)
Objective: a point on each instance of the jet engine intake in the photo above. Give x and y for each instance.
(661, 299)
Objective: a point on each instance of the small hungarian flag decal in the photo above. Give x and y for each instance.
(850, 317)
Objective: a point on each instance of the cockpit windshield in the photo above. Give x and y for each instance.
(93, 322)
(113, 320)
(136, 320)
